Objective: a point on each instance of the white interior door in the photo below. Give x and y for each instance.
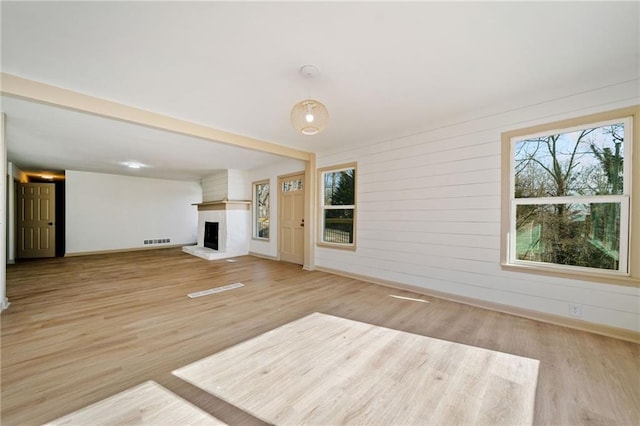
(36, 220)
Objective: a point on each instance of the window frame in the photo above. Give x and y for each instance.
(322, 207)
(629, 200)
(254, 187)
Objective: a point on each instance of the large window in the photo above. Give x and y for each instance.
(261, 210)
(570, 196)
(338, 205)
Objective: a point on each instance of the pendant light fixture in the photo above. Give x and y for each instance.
(309, 116)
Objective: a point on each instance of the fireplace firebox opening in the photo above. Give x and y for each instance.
(211, 235)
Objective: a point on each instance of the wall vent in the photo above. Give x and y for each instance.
(158, 241)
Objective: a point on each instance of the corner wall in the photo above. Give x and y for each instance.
(110, 212)
(13, 174)
(429, 214)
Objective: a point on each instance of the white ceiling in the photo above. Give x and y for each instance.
(44, 139)
(386, 70)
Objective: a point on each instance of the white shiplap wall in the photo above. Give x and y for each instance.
(215, 187)
(226, 184)
(429, 213)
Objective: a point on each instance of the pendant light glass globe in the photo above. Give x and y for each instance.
(309, 117)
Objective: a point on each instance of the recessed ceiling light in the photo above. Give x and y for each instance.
(133, 165)
(49, 177)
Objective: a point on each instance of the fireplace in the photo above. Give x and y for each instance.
(211, 235)
(223, 230)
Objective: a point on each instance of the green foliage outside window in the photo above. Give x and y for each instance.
(339, 191)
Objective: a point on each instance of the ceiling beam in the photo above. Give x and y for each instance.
(19, 87)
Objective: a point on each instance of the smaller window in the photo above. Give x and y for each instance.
(261, 210)
(292, 185)
(338, 205)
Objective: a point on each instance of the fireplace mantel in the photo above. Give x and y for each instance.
(223, 205)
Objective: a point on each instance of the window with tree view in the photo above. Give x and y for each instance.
(570, 197)
(261, 209)
(338, 205)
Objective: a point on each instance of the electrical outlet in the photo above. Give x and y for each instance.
(575, 310)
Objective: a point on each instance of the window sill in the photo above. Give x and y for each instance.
(602, 278)
(348, 247)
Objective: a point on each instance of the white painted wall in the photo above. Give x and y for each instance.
(110, 212)
(14, 174)
(4, 302)
(429, 213)
(270, 248)
(239, 185)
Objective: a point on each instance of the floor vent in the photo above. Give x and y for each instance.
(214, 290)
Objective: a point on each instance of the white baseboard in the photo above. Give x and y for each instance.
(125, 250)
(264, 256)
(605, 330)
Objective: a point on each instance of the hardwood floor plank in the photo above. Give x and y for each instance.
(314, 371)
(146, 404)
(82, 329)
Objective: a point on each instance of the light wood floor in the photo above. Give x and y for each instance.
(327, 370)
(82, 329)
(148, 404)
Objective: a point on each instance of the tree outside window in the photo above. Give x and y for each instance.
(338, 206)
(570, 198)
(261, 209)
